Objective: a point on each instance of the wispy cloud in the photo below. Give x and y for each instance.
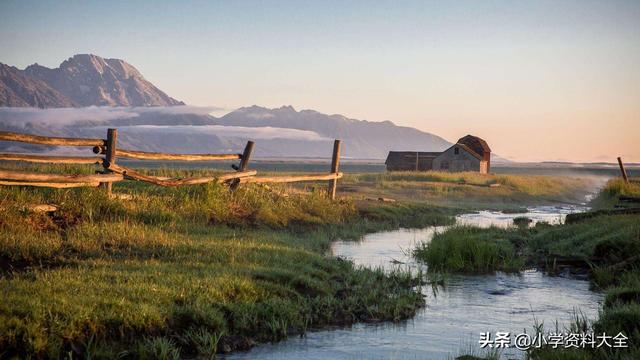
(62, 117)
(93, 114)
(92, 117)
(182, 109)
(263, 133)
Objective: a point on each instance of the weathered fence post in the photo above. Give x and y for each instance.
(417, 160)
(246, 156)
(335, 165)
(110, 156)
(622, 170)
(244, 162)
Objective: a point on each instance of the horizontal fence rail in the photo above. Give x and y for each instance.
(48, 140)
(74, 178)
(163, 181)
(292, 178)
(113, 172)
(142, 155)
(64, 185)
(52, 159)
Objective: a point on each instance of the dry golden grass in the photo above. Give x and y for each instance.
(467, 189)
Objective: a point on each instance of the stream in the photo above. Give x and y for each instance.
(454, 316)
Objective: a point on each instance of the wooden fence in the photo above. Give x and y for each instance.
(107, 152)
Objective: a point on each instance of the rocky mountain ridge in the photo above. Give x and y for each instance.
(82, 80)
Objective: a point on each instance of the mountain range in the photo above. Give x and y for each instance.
(363, 139)
(98, 93)
(82, 80)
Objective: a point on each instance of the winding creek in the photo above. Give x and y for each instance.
(454, 315)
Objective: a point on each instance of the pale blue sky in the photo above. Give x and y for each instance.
(538, 79)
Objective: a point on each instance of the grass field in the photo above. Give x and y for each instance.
(469, 190)
(605, 246)
(186, 272)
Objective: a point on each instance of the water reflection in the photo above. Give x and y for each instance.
(548, 214)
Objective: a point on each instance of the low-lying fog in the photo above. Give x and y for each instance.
(180, 129)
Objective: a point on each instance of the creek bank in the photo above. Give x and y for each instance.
(603, 243)
(189, 271)
(456, 311)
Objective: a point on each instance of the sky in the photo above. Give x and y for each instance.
(539, 80)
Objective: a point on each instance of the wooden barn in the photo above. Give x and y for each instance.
(469, 153)
(410, 160)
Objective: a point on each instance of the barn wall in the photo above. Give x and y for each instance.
(463, 161)
(445, 161)
(406, 161)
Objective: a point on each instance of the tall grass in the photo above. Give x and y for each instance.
(186, 272)
(608, 244)
(530, 184)
(470, 250)
(608, 197)
(601, 241)
(469, 188)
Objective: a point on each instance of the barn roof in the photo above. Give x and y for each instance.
(469, 150)
(476, 144)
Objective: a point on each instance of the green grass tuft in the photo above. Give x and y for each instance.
(470, 250)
